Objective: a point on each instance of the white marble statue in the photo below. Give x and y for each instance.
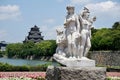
(61, 42)
(86, 25)
(91, 25)
(71, 25)
(74, 42)
(85, 38)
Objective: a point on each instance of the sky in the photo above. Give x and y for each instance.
(18, 16)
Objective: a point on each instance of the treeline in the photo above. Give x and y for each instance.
(31, 49)
(106, 38)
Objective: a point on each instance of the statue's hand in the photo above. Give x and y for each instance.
(77, 35)
(65, 25)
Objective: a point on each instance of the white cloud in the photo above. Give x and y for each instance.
(9, 12)
(3, 34)
(104, 6)
(106, 12)
(79, 1)
(50, 21)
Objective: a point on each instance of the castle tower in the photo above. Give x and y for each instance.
(34, 35)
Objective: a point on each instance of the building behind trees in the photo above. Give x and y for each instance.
(34, 35)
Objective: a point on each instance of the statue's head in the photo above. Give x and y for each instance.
(59, 31)
(86, 9)
(70, 9)
(85, 13)
(94, 18)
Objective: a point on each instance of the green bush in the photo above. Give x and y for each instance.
(20, 50)
(2, 53)
(5, 67)
(8, 67)
(39, 67)
(113, 78)
(21, 68)
(40, 79)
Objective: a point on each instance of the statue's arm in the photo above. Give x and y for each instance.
(78, 23)
(92, 21)
(67, 21)
(57, 40)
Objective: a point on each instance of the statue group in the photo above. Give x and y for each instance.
(74, 41)
(72, 50)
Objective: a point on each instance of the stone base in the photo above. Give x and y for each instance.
(74, 62)
(80, 63)
(69, 73)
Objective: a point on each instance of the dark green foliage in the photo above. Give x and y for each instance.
(20, 50)
(5, 67)
(40, 78)
(116, 25)
(116, 40)
(8, 67)
(2, 53)
(93, 31)
(106, 38)
(102, 40)
(39, 67)
(21, 68)
(47, 48)
(14, 49)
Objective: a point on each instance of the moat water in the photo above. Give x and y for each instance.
(20, 62)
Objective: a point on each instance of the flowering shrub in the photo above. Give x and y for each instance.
(22, 75)
(12, 78)
(113, 74)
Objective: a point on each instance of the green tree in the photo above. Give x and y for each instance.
(116, 40)
(106, 38)
(47, 47)
(102, 39)
(28, 49)
(13, 49)
(116, 25)
(20, 50)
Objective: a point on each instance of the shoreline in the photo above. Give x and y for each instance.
(42, 58)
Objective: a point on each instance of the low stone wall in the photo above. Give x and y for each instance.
(111, 58)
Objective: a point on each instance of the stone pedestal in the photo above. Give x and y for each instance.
(81, 73)
(83, 62)
(74, 62)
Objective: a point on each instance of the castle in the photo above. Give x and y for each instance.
(34, 35)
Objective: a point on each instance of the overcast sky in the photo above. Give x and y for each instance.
(18, 16)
